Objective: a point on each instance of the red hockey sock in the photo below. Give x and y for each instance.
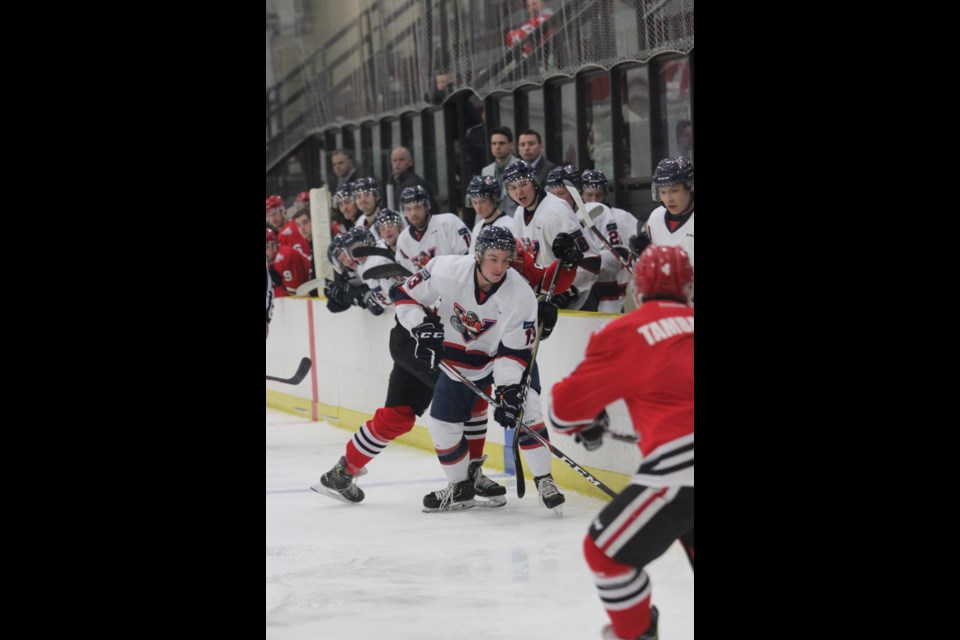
(624, 591)
(374, 435)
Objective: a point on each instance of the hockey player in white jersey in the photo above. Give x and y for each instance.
(430, 234)
(539, 218)
(671, 224)
(411, 383)
(366, 195)
(348, 287)
(489, 325)
(484, 195)
(617, 225)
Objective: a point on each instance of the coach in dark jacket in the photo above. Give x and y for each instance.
(403, 177)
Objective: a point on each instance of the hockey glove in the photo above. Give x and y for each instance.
(592, 437)
(565, 299)
(547, 311)
(371, 304)
(509, 398)
(336, 291)
(639, 242)
(429, 337)
(565, 248)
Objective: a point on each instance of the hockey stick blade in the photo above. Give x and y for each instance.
(309, 286)
(301, 373)
(364, 252)
(386, 271)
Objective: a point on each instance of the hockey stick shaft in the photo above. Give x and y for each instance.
(364, 252)
(536, 436)
(386, 271)
(588, 222)
(301, 373)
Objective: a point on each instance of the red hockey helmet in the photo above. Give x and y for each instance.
(271, 236)
(664, 271)
(303, 196)
(274, 202)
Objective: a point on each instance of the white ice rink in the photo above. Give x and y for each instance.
(383, 569)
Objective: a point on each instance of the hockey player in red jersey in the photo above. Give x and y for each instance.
(644, 358)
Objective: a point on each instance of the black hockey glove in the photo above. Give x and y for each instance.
(592, 437)
(639, 242)
(336, 291)
(429, 337)
(547, 311)
(509, 398)
(565, 248)
(565, 299)
(371, 304)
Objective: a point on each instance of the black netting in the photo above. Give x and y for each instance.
(391, 58)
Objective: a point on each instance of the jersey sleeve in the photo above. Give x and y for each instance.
(602, 378)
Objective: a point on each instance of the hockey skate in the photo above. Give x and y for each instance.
(650, 634)
(340, 484)
(493, 494)
(457, 495)
(550, 496)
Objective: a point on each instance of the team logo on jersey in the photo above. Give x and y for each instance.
(416, 279)
(531, 247)
(468, 323)
(425, 257)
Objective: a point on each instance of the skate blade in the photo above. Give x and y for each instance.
(459, 506)
(558, 510)
(322, 490)
(492, 501)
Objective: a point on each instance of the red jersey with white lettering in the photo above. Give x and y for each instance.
(290, 235)
(644, 358)
(293, 266)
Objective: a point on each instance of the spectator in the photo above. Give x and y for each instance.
(403, 177)
(531, 152)
(539, 13)
(343, 167)
(444, 87)
(501, 147)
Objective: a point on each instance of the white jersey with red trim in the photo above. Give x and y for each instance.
(445, 235)
(552, 216)
(483, 332)
(379, 286)
(662, 235)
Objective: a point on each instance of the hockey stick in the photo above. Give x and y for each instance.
(386, 271)
(308, 286)
(320, 228)
(301, 373)
(517, 464)
(364, 252)
(576, 467)
(587, 219)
